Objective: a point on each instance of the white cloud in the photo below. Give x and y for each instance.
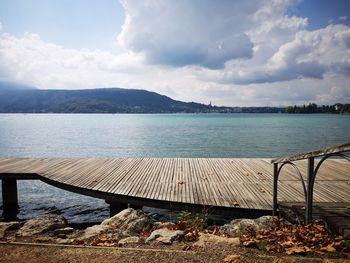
(308, 55)
(343, 18)
(30, 59)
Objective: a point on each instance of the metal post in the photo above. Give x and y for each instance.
(9, 199)
(275, 182)
(310, 186)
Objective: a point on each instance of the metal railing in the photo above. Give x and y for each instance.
(324, 154)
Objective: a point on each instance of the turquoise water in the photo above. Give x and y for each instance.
(173, 135)
(153, 135)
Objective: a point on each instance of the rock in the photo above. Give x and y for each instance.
(240, 226)
(164, 225)
(5, 226)
(92, 232)
(44, 239)
(207, 239)
(64, 241)
(129, 222)
(42, 224)
(165, 236)
(129, 240)
(64, 231)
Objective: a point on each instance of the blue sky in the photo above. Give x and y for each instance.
(257, 52)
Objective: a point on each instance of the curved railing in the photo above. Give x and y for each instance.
(278, 164)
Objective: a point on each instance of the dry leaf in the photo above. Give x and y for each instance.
(328, 248)
(181, 182)
(235, 204)
(232, 259)
(295, 250)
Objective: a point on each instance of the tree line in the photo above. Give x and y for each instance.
(314, 108)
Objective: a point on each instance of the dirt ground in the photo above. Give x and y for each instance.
(34, 253)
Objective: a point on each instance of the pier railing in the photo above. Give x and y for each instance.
(312, 170)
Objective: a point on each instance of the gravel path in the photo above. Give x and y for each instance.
(30, 253)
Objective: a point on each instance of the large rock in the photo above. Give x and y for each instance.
(209, 239)
(5, 226)
(42, 224)
(92, 232)
(165, 236)
(239, 226)
(129, 222)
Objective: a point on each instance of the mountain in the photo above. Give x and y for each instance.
(104, 100)
(17, 98)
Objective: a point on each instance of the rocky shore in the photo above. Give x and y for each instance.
(134, 229)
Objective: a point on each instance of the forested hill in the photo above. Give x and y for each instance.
(104, 100)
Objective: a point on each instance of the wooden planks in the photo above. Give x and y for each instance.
(217, 182)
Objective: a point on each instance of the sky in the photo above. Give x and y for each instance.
(232, 53)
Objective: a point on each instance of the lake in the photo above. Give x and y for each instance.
(152, 135)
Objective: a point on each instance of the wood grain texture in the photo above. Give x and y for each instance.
(220, 182)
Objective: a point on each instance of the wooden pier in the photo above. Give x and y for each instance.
(219, 184)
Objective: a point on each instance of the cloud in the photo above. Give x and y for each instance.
(180, 33)
(343, 18)
(308, 55)
(30, 59)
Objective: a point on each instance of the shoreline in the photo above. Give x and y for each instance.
(131, 234)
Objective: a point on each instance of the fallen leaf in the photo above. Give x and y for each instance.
(295, 250)
(232, 259)
(236, 204)
(328, 248)
(287, 244)
(181, 182)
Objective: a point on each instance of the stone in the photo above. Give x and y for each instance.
(42, 224)
(44, 239)
(64, 231)
(129, 222)
(64, 241)
(239, 226)
(92, 232)
(165, 236)
(209, 239)
(129, 240)
(6, 226)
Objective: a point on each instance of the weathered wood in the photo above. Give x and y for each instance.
(217, 183)
(329, 150)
